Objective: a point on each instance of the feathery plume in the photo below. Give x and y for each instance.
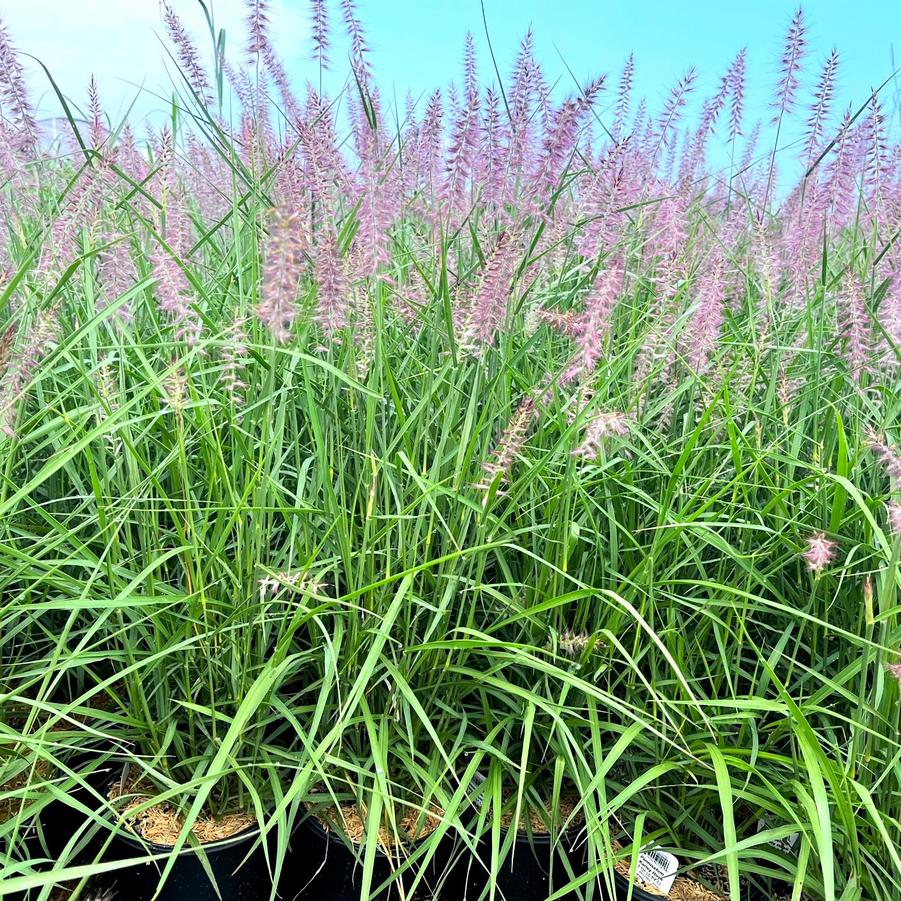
(705, 325)
(713, 106)
(234, 358)
(174, 292)
(257, 25)
(38, 341)
(490, 172)
(524, 87)
(889, 459)
(15, 96)
(168, 258)
(130, 160)
(430, 133)
(604, 425)
(175, 389)
(304, 582)
(672, 110)
(6, 345)
(747, 156)
(10, 158)
(279, 76)
(282, 268)
(737, 91)
(319, 28)
(820, 552)
(820, 111)
(489, 308)
(623, 97)
(567, 323)
(464, 144)
(116, 273)
(332, 300)
(875, 148)
(894, 517)
(187, 54)
(325, 172)
(573, 644)
(511, 442)
(561, 136)
(894, 670)
(854, 327)
(107, 393)
(378, 209)
(597, 318)
(790, 65)
(841, 175)
(97, 127)
(359, 51)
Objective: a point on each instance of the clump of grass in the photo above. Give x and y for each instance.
(384, 461)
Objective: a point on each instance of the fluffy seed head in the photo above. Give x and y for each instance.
(319, 32)
(15, 96)
(282, 269)
(605, 425)
(511, 441)
(573, 644)
(234, 358)
(333, 303)
(820, 552)
(894, 517)
(187, 54)
(16, 379)
(737, 89)
(790, 65)
(489, 308)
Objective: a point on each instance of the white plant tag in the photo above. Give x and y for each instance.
(786, 844)
(657, 869)
(476, 783)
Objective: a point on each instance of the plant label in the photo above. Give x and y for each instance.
(657, 868)
(786, 844)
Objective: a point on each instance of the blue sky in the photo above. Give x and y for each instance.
(417, 40)
(417, 44)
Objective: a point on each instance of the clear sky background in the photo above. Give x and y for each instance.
(417, 44)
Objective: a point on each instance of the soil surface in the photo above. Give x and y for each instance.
(683, 889)
(9, 807)
(162, 823)
(538, 824)
(412, 824)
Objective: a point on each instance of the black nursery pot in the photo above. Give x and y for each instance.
(326, 867)
(535, 869)
(43, 841)
(237, 879)
(31, 848)
(46, 837)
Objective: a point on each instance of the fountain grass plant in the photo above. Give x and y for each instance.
(467, 468)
